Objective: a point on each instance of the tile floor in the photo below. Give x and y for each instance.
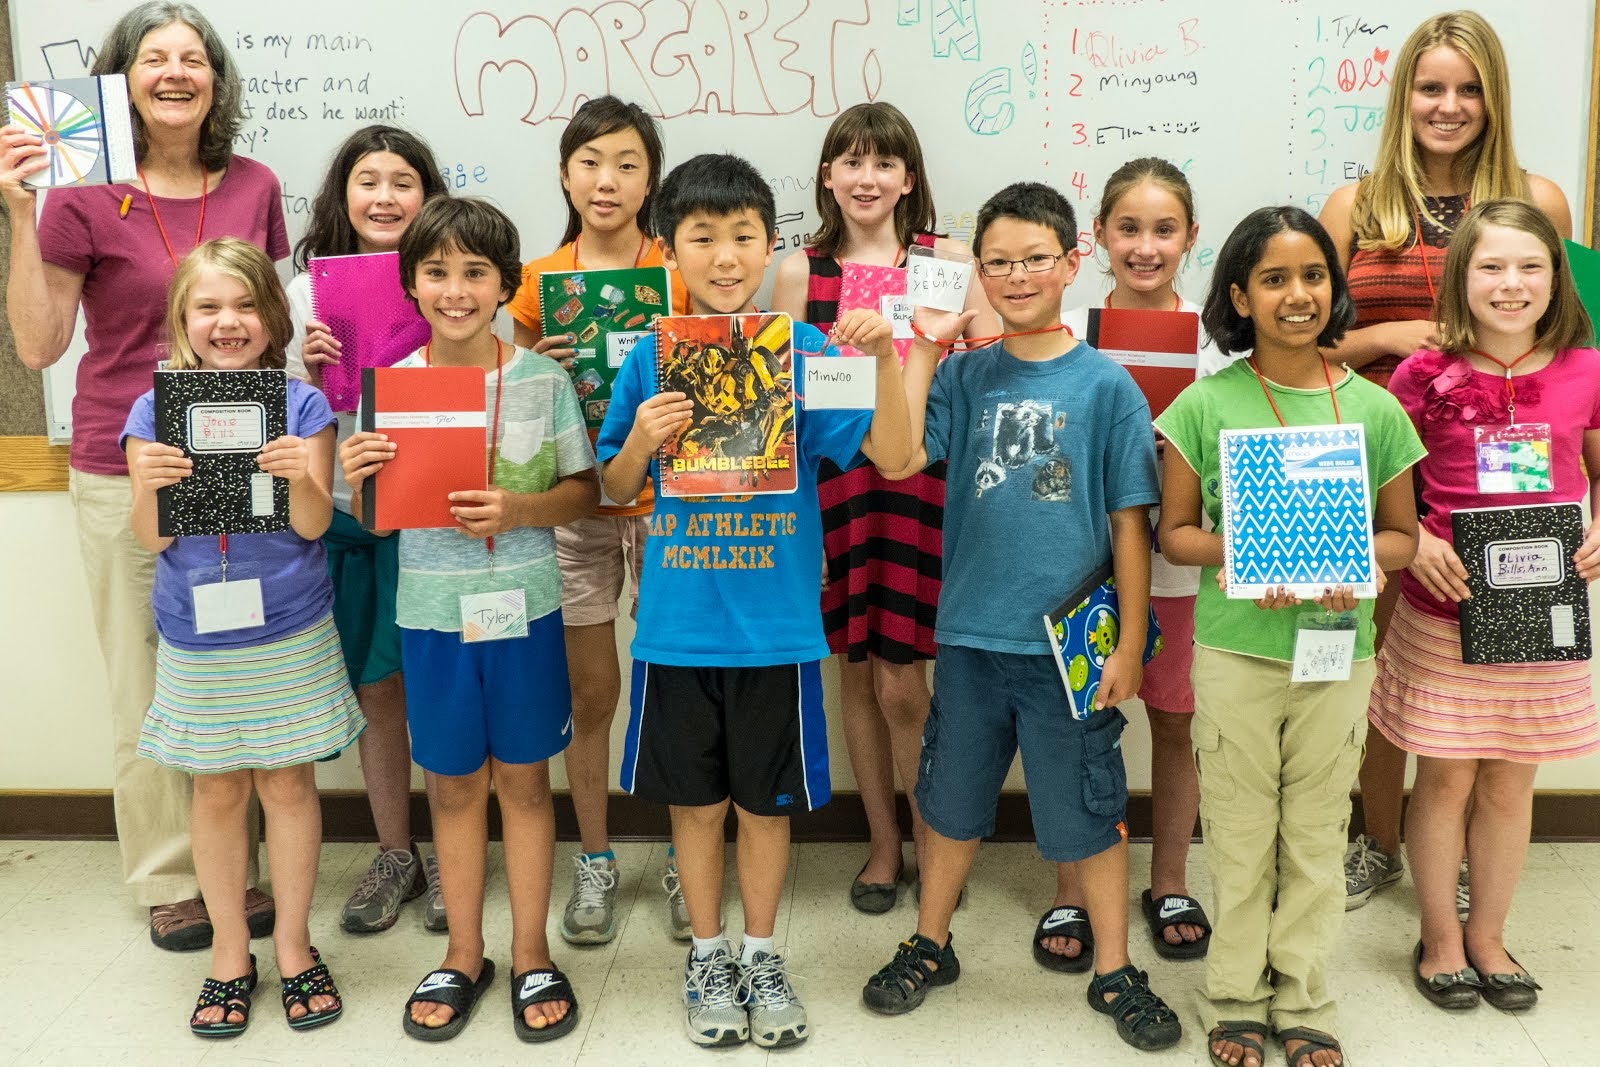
(81, 983)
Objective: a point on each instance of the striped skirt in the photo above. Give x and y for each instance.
(278, 704)
(1427, 701)
(882, 541)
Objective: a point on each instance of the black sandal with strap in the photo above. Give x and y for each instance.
(1163, 913)
(1315, 1041)
(1237, 1032)
(1143, 1019)
(315, 981)
(542, 986)
(455, 990)
(1064, 922)
(903, 983)
(232, 996)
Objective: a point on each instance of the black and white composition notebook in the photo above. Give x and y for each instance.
(221, 419)
(1528, 603)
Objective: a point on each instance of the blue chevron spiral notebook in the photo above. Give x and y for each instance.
(1295, 511)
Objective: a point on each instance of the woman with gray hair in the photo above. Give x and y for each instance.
(112, 249)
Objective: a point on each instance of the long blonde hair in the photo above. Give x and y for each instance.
(1386, 201)
(251, 268)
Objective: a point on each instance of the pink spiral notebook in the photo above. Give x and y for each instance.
(862, 285)
(360, 300)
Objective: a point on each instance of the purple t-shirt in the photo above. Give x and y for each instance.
(295, 589)
(126, 269)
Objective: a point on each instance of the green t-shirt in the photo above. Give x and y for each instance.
(1232, 399)
(541, 439)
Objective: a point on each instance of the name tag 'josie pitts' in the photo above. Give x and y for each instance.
(840, 382)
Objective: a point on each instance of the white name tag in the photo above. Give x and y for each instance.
(493, 616)
(897, 309)
(261, 494)
(619, 344)
(1323, 655)
(235, 605)
(932, 282)
(227, 427)
(841, 382)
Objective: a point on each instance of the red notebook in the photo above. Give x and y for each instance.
(436, 418)
(1159, 348)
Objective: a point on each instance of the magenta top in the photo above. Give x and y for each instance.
(1447, 400)
(126, 269)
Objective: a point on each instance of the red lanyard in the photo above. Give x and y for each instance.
(644, 242)
(1177, 303)
(205, 180)
(970, 344)
(494, 433)
(1511, 390)
(1326, 373)
(1422, 248)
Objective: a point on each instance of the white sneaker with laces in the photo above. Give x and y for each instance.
(777, 1018)
(713, 1014)
(677, 910)
(591, 915)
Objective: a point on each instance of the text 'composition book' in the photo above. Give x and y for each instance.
(222, 419)
(437, 419)
(1295, 511)
(1528, 603)
(739, 372)
(361, 302)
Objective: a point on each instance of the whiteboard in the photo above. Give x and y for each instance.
(1259, 101)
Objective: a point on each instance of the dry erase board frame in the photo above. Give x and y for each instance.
(1049, 90)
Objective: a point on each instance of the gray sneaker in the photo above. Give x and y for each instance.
(1463, 895)
(591, 915)
(393, 878)
(713, 1014)
(1367, 869)
(434, 918)
(677, 910)
(777, 1018)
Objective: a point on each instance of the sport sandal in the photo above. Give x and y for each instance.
(454, 990)
(541, 986)
(1064, 922)
(1164, 913)
(1143, 1019)
(1238, 1032)
(232, 996)
(1315, 1041)
(903, 982)
(314, 981)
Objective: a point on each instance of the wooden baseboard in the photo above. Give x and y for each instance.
(32, 465)
(87, 815)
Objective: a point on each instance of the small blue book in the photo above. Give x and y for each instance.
(1084, 631)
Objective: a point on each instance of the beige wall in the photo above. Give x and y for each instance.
(53, 732)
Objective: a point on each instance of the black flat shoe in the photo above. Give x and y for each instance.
(1452, 992)
(1510, 992)
(876, 898)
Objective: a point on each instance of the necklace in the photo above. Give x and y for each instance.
(205, 182)
(1261, 381)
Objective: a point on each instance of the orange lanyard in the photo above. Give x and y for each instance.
(494, 433)
(971, 344)
(644, 242)
(1422, 249)
(1511, 390)
(1177, 303)
(1326, 373)
(205, 180)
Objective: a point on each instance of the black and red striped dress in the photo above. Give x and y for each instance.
(883, 540)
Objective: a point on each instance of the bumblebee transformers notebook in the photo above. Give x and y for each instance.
(739, 372)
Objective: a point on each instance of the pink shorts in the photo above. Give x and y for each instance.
(595, 554)
(1166, 678)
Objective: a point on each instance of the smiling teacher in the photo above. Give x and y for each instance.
(112, 250)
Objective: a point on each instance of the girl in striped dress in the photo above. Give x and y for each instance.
(881, 539)
(1513, 350)
(246, 702)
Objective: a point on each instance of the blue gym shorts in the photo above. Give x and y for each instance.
(987, 706)
(508, 699)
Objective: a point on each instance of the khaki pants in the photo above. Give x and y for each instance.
(1276, 764)
(152, 801)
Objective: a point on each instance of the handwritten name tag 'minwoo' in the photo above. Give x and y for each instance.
(841, 382)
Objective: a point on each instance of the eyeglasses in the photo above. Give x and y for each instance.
(1001, 268)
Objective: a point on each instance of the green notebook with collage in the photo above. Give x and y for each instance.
(606, 311)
